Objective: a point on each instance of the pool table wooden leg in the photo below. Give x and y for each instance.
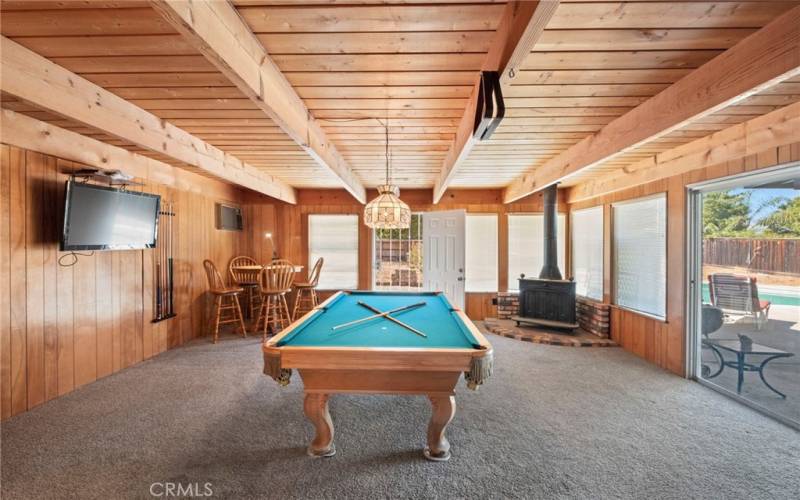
(444, 408)
(316, 409)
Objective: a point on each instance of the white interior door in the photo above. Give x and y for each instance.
(443, 254)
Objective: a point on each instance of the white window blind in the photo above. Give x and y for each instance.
(335, 239)
(526, 246)
(481, 253)
(587, 252)
(640, 255)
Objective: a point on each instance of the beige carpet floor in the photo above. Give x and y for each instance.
(553, 422)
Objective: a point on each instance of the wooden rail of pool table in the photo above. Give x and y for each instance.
(373, 358)
(273, 341)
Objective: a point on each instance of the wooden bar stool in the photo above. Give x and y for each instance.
(275, 282)
(306, 298)
(225, 299)
(247, 279)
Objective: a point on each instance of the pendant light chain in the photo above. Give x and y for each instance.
(387, 210)
(386, 128)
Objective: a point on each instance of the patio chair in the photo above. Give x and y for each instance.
(711, 320)
(737, 294)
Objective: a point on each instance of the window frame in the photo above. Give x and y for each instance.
(614, 254)
(374, 259)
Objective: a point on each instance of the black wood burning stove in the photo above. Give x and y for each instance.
(548, 300)
(547, 303)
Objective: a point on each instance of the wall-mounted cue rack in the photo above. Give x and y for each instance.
(164, 271)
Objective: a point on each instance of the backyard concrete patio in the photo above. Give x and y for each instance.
(781, 331)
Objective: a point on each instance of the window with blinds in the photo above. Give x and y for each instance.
(481, 253)
(640, 255)
(587, 252)
(334, 238)
(526, 246)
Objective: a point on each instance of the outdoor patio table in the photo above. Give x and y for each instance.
(741, 364)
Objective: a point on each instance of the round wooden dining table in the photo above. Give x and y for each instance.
(259, 267)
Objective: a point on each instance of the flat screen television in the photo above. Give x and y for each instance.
(104, 218)
(229, 218)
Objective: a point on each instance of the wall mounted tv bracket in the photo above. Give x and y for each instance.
(114, 178)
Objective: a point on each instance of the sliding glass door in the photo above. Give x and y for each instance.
(744, 309)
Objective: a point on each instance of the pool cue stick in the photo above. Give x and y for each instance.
(159, 252)
(171, 309)
(395, 320)
(374, 316)
(158, 287)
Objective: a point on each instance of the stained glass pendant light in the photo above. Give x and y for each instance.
(387, 211)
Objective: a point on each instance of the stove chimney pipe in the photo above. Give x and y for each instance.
(550, 269)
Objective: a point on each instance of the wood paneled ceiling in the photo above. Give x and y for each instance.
(773, 98)
(412, 66)
(358, 63)
(598, 60)
(128, 49)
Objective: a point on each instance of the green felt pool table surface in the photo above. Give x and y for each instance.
(437, 319)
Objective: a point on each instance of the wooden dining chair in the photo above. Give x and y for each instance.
(275, 282)
(226, 298)
(306, 297)
(246, 279)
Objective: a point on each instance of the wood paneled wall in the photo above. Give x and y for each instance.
(63, 327)
(663, 342)
(289, 225)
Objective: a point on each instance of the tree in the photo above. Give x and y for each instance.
(413, 232)
(785, 220)
(726, 214)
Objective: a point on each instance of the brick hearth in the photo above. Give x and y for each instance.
(593, 317)
(507, 304)
(579, 338)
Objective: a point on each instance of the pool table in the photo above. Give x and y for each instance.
(380, 356)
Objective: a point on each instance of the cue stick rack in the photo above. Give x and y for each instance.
(164, 264)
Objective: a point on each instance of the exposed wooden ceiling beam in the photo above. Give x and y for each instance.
(29, 133)
(216, 30)
(766, 57)
(46, 85)
(520, 27)
(778, 128)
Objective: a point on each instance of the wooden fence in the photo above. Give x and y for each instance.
(774, 255)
